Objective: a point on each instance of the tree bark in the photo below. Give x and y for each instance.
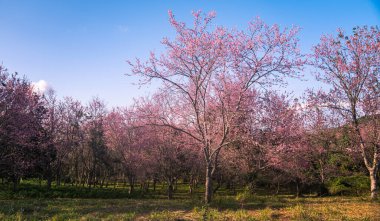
(59, 174)
(373, 179)
(170, 190)
(154, 184)
(131, 184)
(208, 185)
(372, 169)
(49, 181)
(298, 189)
(278, 188)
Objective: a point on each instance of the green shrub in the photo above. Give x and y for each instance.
(350, 185)
(244, 197)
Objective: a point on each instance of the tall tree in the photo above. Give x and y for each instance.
(349, 64)
(126, 137)
(72, 137)
(206, 75)
(51, 129)
(21, 116)
(97, 157)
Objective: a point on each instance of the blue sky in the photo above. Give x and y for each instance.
(79, 47)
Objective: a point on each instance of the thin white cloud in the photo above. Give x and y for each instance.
(40, 86)
(122, 28)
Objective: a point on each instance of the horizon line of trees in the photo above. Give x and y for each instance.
(216, 119)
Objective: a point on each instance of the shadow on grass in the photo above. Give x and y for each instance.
(37, 203)
(76, 208)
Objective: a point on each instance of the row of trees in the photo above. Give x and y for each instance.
(214, 73)
(215, 119)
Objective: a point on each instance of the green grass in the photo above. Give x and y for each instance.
(223, 208)
(29, 189)
(154, 206)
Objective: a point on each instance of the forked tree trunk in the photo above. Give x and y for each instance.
(372, 169)
(208, 184)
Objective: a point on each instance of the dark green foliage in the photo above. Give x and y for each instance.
(32, 190)
(349, 185)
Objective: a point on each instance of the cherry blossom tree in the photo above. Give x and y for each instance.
(97, 156)
(125, 136)
(283, 137)
(170, 156)
(21, 115)
(206, 73)
(51, 128)
(71, 140)
(349, 64)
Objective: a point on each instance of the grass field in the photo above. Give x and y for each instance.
(154, 206)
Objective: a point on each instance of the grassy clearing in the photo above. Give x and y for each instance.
(74, 203)
(224, 208)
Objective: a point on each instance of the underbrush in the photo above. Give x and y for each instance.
(31, 190)
(350, 185)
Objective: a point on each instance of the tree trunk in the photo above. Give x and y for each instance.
(15, 183)
(14, 186)
(278, 188)
(131, 184)
(190, 188)
(372, 176)
(208, 185)
(89, 180)
(175, 184)
(371, 169)
(146, 186)
(59, 174)
(49, 181)
(170, 190)
(154, 184)
(192, 184)
(298, 190)
(102, 182)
